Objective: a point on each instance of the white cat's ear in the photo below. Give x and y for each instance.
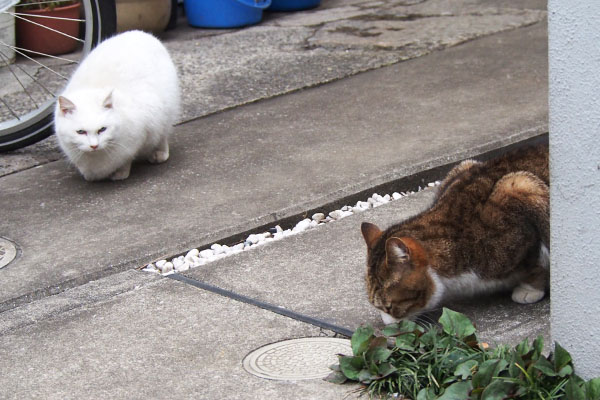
(396, 251)
(370, 233)
(108, 101)
(65, 105)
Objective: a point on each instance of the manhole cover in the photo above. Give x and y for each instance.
(8, 252)
(296, 359)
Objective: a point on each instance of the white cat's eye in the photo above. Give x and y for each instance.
(102, 129)
(82, 132)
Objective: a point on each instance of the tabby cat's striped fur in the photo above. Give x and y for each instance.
(488, 228)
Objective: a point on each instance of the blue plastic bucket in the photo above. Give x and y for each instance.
(224, 13)
(293, 5)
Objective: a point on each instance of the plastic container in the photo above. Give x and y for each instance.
(293, 5)
(224, 13)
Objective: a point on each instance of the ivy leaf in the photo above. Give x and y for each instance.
(378, 355)
(567, 370)
(487, 370)
(455, 323)
(465, 369)
(365, 376)
(360, 339)
(561, 357)
(351, 366)
(574, 391)
(593, 389)
(497, 390)
(336, 377)
(458, 390)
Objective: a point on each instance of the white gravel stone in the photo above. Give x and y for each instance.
(337, 214)
(387, 197)
(431, 184)
(396, 195)
(253, 238)
(192, 253)
(279, 228)
(184, 266)
(302, 225)
(239, 246)
(318, 217)
(160, 263)
(217, 249)
(208, 253)
(166, 268)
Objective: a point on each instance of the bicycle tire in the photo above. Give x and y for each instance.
(39, 124)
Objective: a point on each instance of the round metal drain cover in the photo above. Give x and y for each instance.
(8, 252)
(296, 359)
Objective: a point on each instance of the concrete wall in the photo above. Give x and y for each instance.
(574, 50)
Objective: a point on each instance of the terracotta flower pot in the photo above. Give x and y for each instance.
(39, 39)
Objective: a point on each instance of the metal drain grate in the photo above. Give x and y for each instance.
(8, 252)
(296, 359)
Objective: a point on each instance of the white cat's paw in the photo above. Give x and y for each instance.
(121, 173)
(525, 294)
(158, 157)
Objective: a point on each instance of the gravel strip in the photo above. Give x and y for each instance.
(196, 258)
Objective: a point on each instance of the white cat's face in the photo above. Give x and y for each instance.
(87, 122)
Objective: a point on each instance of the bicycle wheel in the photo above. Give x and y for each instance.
(34, 79)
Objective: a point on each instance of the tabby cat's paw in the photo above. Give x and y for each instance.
(525, 294)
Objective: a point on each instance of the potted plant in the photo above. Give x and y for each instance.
(48, 27)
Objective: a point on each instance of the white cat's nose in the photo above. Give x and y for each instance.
(94, 146)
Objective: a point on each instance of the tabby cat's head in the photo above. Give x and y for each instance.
(398, 282)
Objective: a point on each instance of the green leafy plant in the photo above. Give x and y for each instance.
(449, 363)
(44, 4)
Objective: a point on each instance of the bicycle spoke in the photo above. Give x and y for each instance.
(50, 17)
(46, 27)
(15, 48)
(41, 65)
(4, 57)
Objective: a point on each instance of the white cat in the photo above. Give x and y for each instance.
(119, 105)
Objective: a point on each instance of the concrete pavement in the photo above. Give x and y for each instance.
(78, 321)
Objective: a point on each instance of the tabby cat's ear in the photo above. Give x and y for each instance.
(65, 105)
(396, 251)
(371, 233)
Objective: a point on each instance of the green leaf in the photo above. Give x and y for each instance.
(386, 369)
(523, 349)
(458, 390)
(426, 394)
(497, 390)
(487, 370)
(565, 371)
(574, 391)
(335, 367)
(336, 377)
(378, 354)
(592, 389)
(406, 342)
(351, 366)
(400, 328)
(561, 357)
(513, 370)
(455, 323)
(365, 376)
(465, 369)
(544, 366)
(538, 345)
(361, 338)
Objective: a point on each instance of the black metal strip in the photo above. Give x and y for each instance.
(261, 304)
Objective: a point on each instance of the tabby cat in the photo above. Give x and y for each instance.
(487, 229)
